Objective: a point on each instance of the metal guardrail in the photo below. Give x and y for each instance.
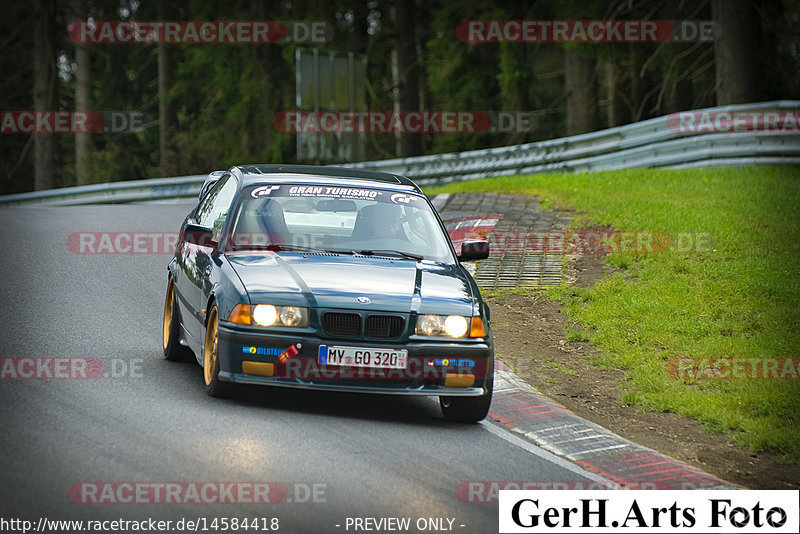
(113, 192)
(649, 143)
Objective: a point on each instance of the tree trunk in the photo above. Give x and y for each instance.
(166, 114)
(636, 83)
(405, 73)
(581, 85)
(618, 111)
(165, 111)
(679, 96)
(733, 51)
(678, 91)
(359, 38)
(44, 91)
(82, 99)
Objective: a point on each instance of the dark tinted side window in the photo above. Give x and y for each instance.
(214, 209)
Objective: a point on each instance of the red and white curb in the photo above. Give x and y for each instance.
(526, 411)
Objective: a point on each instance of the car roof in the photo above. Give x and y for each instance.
(257, 174)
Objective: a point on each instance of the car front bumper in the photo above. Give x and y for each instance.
(434, 368)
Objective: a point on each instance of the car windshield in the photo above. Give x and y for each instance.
(347, 220)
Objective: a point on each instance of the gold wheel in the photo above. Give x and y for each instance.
(210, 347)
(168, 312)
(173, 350)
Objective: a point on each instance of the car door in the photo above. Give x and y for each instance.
(196, 259)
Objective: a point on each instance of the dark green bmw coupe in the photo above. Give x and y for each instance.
(328, 278)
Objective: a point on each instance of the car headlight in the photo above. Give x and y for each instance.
(265, 315)
(455, 326)
(292, 316)
(269, 315)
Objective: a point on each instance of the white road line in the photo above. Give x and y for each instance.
(506, 434)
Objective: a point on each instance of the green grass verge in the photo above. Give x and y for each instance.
(737, 294)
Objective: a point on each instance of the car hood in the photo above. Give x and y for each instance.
(334, 281)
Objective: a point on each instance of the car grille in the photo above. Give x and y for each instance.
(376, 326)
(341, 324)
(384, 326)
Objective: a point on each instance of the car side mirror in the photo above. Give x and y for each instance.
(198, 235)
(474, 250)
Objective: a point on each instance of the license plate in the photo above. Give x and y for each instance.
(377, 358)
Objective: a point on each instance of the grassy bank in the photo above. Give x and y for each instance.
(727, 286)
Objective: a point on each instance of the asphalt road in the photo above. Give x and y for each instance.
(369, 456)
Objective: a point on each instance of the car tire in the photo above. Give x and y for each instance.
(214, 386)
(171, 341)
(467, 409)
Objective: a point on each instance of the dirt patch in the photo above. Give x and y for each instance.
(530, 336)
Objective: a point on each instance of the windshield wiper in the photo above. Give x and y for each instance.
(301, 248)
(388, 252)
(340, 251)
(276, 247)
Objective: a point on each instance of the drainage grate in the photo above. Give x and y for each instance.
(510, 266)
